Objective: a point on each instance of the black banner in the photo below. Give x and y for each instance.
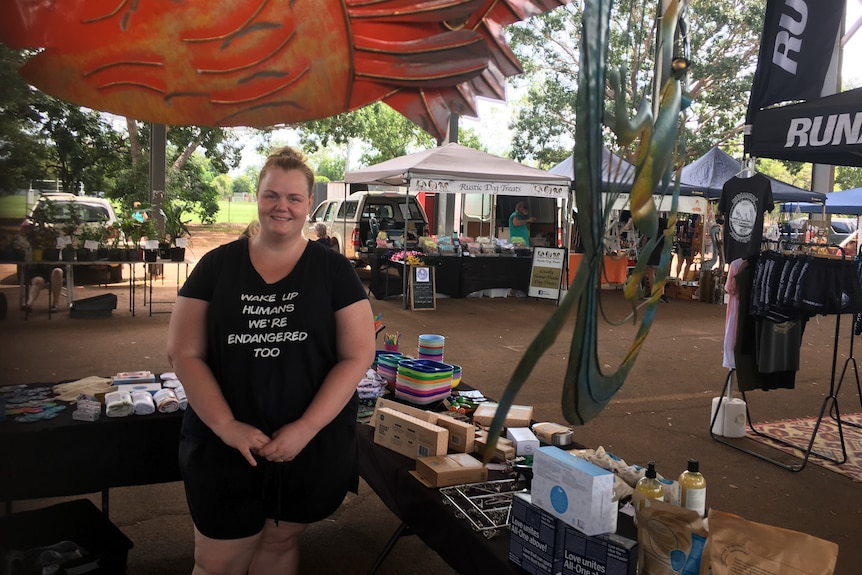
(826, 130)
(797, 46)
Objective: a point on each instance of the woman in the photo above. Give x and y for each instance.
(270, 336)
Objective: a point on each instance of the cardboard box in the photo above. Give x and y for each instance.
(504, 450)
(551, 433)
(452, 469)
(461, 433)
(535, 537)
(428, 416)
(610, 554)
(408, 435)
(518, 415)
(523, 439)
(573, 489)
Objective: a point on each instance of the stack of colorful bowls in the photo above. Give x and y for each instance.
(456, 375)
(431, 346)
(423, 381)
(387, 367)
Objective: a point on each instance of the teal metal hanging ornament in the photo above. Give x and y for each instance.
(586, 390)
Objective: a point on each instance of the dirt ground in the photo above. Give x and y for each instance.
(661, 413)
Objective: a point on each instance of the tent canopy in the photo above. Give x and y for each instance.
(453, 168)
(847, 202)
(709, 173)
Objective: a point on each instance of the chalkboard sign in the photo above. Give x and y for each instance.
(422, 288)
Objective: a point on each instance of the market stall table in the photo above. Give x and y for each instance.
(614, 269)
(62, 457)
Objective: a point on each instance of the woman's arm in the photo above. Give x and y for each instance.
(354, 326)
(187, 355)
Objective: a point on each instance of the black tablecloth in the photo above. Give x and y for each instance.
(423, 510)
(63, 457)
(455, 276)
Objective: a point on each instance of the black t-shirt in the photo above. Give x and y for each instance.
(743, 203)
(270, 346)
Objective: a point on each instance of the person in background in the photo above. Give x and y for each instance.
(270, 336)
(39, 278)
(322, 234)
(653, 262)
(519, 230)
(251, 229)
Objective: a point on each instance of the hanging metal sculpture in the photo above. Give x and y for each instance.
(586, 390)
(268, 62)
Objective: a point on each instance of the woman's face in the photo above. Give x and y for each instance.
(283, 202)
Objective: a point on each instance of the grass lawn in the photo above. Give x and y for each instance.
(15, 207)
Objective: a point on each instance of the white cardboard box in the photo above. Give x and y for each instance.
(526, 443)
(573, 489)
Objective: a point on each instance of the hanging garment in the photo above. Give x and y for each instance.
(732, 313)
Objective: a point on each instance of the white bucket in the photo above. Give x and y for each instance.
(731, 419)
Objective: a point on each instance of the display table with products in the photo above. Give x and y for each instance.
(422, 512)
(62, 457)
(455, 276)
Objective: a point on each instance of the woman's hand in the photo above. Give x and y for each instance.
(246, 439)
(288, 441)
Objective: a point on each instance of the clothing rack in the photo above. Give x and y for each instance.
(830, 402)
(850, 361)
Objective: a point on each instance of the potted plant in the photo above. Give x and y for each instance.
(41, 234)
(176, 229)
(71, 229)
(134, 225)
(91, 235)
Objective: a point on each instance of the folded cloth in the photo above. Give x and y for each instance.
(91, 385)
(180, 392)
(143, 401)
(119, 404)
(166, 400)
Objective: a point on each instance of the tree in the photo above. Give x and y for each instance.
(242, 185)
(724, 39)
(387, 133)
(22, 153)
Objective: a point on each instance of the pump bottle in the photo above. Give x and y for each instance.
(692, 487)
(648, 487)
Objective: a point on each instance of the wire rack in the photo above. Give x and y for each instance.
(486, 506)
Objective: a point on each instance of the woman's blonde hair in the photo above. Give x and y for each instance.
(287, 159)
(320, 228)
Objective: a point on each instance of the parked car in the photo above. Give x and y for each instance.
(351, 222)
(839, 229)
(89, 210)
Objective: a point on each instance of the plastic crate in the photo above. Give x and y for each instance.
(78, 521)
(98, 306)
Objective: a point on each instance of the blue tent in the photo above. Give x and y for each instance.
(848, 202)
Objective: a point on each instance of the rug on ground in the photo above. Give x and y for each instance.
(827, 441)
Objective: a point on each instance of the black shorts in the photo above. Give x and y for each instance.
(230, 499)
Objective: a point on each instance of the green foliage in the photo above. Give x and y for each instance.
(724, 41)
(847, 178)
(223, 184)
(41, 232)
(242, 185)
(387, 133)
(191, 185)
(176, 223)
(329, 165)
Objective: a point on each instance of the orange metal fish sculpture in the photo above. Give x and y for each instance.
(268, 62)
